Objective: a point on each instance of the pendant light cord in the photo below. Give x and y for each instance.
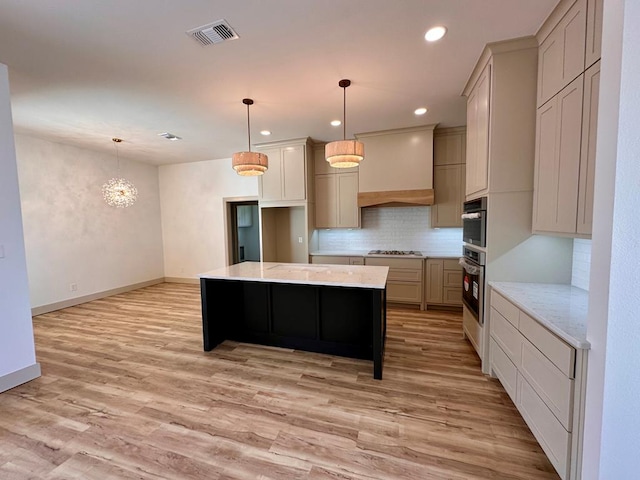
(248, 127)
(344, 113)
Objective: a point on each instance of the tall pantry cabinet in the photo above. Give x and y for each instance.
(566, 125)
(501, 90)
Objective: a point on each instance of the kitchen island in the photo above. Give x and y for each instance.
(333, 309)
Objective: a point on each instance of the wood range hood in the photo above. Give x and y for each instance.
(397, 170)
(396, 198)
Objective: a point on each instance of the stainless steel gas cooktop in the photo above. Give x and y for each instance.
(395, 252)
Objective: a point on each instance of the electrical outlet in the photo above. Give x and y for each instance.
(299, 239)
(73, 287)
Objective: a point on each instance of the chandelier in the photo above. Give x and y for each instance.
(344, 153)
(118, 192)
(249, 164)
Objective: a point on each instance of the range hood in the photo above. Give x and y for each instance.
(396, 198)
(398, 168)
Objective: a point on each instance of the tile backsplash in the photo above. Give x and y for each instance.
(394, 228)
(581, 267)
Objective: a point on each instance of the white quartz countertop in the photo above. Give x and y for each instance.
(560, 308)
(365, 253)
(358, 276)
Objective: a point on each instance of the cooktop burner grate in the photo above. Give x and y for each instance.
(395, 252)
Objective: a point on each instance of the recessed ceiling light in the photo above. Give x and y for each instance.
(420, 111)
(170, 136)
(435, 33)
(336, 123)
(265, 132)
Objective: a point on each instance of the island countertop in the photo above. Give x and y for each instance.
(358, 276)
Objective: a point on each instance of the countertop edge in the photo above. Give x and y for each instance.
(248, 276)
(570, 339)
(375, 255)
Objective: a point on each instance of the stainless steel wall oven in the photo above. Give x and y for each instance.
(473, 262)
(474, 222)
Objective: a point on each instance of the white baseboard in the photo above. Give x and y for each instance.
(19, 377)
(195, 281)
(94, 296)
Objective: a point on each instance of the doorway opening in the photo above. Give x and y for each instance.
(244, 231)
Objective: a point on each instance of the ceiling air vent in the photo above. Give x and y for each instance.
(212, 33)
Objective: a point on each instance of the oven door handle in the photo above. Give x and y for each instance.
(471, 216)
(470, 268)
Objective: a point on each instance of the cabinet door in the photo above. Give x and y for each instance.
(562, 54)
(478, 162)
(347, 209)
(293, 173)
(558, 138)
(449, 149)
(594, 31)
(472, 139)
(448, 184)
(270, 184)
(326, 207)
(434, 281)
(588, 152)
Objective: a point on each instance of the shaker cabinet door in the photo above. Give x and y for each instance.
(588, 152)
(558, 138)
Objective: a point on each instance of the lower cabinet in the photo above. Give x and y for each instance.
(545, 378)
(443, 282)
(337, 260)
(404, 282)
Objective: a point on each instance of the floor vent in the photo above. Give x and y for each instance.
(212, 33)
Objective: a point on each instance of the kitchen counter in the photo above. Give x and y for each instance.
(365, 253)
(356, 276)
(560, 308)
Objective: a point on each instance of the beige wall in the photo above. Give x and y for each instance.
(71, 235)
(191, 200)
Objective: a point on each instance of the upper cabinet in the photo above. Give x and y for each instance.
(566, 127)
(478, 138)
(594, 32)
(336, 199)
(449, 156)
(562, 50)
(287, 178)
(501, 107)
(397, 167)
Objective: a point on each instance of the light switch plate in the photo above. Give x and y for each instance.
(1, 251)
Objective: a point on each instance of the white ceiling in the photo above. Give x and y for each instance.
(82, 72)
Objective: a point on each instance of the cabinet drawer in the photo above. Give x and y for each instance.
(507, 309)
(551, 435)
(452, 278)
(452, 295)
(451, 264)
(561, 354)
(504, 369)
(554, 387)
(507, 336)
(410, 263)
(330, 260)
(472, 330)
(405, 275)
(404, 292)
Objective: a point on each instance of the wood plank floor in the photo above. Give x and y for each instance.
(127, 393)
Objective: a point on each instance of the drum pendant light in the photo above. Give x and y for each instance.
(249, 164)
(344, 153)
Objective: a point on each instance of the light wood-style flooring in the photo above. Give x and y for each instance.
(128, 393)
